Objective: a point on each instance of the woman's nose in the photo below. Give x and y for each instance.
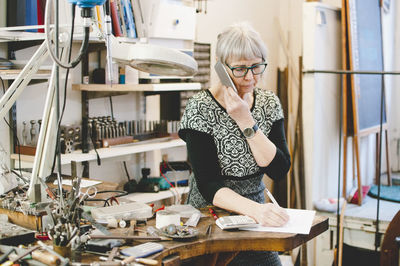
(249, 74)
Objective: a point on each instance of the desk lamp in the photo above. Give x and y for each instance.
(144, 57)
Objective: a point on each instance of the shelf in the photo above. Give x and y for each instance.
(19, 33)
(10, 74)
(14, 36)
(112, 152)
(137, 87)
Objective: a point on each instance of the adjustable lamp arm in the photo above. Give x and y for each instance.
(23, 79)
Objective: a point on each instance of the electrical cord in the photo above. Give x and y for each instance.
(20, 176)
(65, 86)
(107, 201)
(126, 171)
(14, 131)
(112, 108)
(174, 190)
(48, 38)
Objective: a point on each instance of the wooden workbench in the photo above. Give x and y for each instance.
(230, 242)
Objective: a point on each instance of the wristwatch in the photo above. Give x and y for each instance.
(249, 132)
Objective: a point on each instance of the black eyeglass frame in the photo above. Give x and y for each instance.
(247, 69)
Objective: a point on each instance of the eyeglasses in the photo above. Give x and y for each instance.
(241, 71)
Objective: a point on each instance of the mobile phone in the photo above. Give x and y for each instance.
(224, 76)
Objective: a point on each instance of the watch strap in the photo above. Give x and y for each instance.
(255, 127)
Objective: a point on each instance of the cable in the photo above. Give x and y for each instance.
(14, 131)
(177, 195)
(82, 50)
(95, 150)
(173, 190)
(65, 85)
(126, 171)
(20, 176)
(112, 108)
(106, 201)
(168, 165)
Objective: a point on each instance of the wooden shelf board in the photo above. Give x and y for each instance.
(137, 87)
(24, 158)
(112, 152)
(9, 74)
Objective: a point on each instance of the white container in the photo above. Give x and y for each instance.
(164, 218)
(134, 210)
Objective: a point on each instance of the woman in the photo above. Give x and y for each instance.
(233, 139)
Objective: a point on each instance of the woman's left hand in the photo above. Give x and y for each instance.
(238, 108)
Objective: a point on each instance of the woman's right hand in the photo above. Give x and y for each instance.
(269, 214)
(238, 108)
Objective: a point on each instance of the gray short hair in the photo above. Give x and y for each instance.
(240, 41)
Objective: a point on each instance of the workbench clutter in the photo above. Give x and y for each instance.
(172, 174)
(29, 132)
(104, 131)
(70, 137)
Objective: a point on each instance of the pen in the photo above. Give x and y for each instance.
(213, 213)
(271, 197)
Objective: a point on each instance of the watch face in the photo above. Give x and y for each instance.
(248, 132)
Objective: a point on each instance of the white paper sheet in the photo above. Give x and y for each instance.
(84, 182)
(300, 222)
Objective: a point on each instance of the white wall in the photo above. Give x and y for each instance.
(261, 14)
(394, 120)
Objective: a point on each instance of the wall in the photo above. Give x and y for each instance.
(394, 128)
(263, 15)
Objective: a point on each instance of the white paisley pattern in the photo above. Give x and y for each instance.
(204, 114)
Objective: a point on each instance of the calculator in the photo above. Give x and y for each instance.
(142, 250)
(235, 221)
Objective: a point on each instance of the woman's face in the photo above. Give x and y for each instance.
(248, 82)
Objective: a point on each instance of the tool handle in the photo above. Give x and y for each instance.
(140, 260)
(45, 257)
(128, 260)
(147, 261)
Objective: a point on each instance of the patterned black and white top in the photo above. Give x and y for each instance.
(219, 153)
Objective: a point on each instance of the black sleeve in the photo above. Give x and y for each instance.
(202, 154)
(280, 165)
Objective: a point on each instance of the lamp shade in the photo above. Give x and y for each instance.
(153, 59)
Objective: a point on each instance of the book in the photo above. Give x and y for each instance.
(139, 19)
(41, 5)
(128, 17)
(121, 17)
(31, 16)
(21, 12)
(116, 24)
(16, 13)
(3, 14)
